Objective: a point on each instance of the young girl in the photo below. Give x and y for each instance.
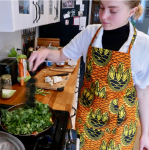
(116, 82)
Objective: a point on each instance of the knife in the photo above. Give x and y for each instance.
(25, 42)
(62, 67)
(29, 38)
(62, 74)
(32, 31)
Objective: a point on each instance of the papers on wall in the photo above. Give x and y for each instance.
(66, 16)
(78, 2)
(76, 21)
(82, 23)
(82, 7)
(80, 13)
(66, 22)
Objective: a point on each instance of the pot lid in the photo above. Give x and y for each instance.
(9, 139)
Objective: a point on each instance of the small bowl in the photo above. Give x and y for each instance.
(60, 64)
(49, 63)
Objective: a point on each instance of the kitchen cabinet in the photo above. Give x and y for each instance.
(53, 11)
(95, 13)
(29, 13)
(22, 14)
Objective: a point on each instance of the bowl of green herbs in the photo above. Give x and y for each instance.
(24, 120)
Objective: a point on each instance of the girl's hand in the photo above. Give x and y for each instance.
(144, 142)
(37, 58)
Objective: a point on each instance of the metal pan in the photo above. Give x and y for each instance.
(30, 135)
(15, 142)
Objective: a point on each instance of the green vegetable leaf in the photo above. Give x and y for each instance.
(28, 119)
(12, 53)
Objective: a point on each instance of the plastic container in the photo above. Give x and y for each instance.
(49, 63)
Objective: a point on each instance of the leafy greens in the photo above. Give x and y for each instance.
(27, 120)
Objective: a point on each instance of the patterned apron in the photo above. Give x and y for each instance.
(108, 110)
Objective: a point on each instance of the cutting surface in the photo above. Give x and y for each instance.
(66, 68)
(57, 100)
(45, 85)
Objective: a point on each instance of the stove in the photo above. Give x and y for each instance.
(54, 139)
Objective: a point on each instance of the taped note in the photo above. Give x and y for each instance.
(76, 21)
(66, 16)
(82, 23)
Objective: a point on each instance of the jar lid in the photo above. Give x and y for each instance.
(30, 49)
(6, 77)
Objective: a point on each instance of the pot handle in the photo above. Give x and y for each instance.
(38, 139)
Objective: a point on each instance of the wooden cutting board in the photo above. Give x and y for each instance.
(69, 69)
(55, 42)
(40, 76)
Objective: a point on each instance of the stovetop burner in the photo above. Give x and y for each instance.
(54, 139)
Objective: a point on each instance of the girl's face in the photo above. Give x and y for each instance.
(114, 13)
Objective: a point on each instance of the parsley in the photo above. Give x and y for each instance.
(41, 92)
(27, 120)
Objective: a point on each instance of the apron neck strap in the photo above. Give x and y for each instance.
(95, 36)
(131, 43)
(133, 40)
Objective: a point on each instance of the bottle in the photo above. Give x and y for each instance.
(30, 50)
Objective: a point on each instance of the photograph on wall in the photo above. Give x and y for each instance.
(80, 13)
(67, 4)
(147, 12)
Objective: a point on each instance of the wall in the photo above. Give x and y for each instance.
(144, 27)
(64, 32)
(7, 40)
(13, 39)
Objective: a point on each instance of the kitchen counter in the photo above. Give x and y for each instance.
(56, 100)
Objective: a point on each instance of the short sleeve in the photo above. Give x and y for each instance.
(78, 46)
(141, 78)
(73, 49)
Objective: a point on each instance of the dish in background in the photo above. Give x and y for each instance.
(72, 62)
(60, 48)
(51, 47)
(60, 64)
(49, 63)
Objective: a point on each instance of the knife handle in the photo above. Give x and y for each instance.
(63, 74)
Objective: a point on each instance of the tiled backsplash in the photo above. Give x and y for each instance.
(8, 40)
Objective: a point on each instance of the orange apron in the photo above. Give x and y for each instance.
(108, 110)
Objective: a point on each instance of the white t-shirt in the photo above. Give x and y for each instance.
(78, 47)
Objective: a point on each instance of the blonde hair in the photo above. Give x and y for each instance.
(133, 4)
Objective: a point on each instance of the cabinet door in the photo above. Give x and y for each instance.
(95, 13)
(24, 14)
(42, 15)
(50, 11)
(56, 10)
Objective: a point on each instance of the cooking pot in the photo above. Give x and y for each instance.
(10, 142)
(30, 135)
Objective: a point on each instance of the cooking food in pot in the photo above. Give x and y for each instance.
(27, 120)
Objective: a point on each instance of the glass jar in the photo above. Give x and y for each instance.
(29, 52)
(6, 82)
